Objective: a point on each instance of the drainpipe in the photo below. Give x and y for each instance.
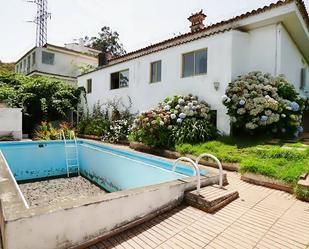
(278, 49)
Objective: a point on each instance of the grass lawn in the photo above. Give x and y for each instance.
(285, 162)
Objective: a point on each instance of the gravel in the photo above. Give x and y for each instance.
(50, 192)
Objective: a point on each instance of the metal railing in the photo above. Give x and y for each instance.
(218, 163)
(196, 169)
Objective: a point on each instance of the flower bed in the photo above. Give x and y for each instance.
(176, 120)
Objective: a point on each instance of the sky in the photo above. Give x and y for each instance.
(139, 22)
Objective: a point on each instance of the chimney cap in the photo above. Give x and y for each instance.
(198, 14)
(197, 21)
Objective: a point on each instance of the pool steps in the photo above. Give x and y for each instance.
(211, 198)
(71, 153)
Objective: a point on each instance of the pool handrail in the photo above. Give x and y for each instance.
(196, 169)
(218, 163)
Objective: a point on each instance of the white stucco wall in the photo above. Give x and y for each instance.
(65, 63)
(230, 54)
(292, 61)
(11, 122)
(145, 95)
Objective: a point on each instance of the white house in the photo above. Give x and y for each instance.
(272, 39)
(64, 63)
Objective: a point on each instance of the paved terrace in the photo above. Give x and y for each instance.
(260, 218)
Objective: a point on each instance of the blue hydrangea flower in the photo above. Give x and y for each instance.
(296, 134)
(167, 108)
(294, 106)
(300, 129)
(182, 115)
(283, 130)
(179, 120)
(242, 102)
(264, 118)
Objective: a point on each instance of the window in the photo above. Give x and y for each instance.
(120, 79)
(28, 63)
(155, 72)
(194, 63)
(303, 78)
(89, 85)
(33, 58)
(48, 58)
(25, 65)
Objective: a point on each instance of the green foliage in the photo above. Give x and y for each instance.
(41, 98)
(106, 41)
(112, 129)
(285, 164)
(193, 131)
(224, 152)
(301, 193)
(177, 119)
(95, 123)
(259, 103)
(46, 131)
(9, 137)
(7, 67)
(279, 168)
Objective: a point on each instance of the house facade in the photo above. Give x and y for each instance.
(272, 39)
(64, 63)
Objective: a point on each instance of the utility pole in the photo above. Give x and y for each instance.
(42, 15)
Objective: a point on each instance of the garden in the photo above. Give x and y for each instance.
(260, 106)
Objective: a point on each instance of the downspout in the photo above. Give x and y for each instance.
(278, 50)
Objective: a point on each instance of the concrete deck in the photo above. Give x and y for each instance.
(260, 218)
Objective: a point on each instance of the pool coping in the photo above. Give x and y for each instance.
(13, 211)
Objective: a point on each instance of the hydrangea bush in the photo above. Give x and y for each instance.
(161, 126)
(260, 102)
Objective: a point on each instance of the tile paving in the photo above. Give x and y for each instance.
(260, 218)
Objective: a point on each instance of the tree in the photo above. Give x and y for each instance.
(7, 67)
(106, 41)
(41, 98)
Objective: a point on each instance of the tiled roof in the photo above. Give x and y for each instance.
(219, 27)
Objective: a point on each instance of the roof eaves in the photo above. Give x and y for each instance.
(67, 49)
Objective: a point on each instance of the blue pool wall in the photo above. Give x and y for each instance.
(113, 169)
(115, 172)
(35, 160)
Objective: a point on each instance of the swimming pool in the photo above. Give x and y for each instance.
(112, 169)
(139, 186)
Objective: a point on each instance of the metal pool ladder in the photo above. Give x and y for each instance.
(197, 171)
(71, 153)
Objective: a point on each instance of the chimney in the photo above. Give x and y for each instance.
(104, 58)
(197, 21)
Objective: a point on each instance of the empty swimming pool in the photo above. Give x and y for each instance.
(138, 186)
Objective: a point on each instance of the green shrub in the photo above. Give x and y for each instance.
(260, 103)
(112, 129)
(170, 122)
(193, 131)
(46, 131)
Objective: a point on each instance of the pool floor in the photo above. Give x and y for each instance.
(50, 192)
